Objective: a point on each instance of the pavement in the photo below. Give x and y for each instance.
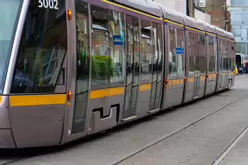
(193, 134)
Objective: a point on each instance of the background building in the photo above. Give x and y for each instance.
(178, 5)
(239, 17)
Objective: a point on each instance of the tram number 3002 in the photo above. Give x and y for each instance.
(52, 4)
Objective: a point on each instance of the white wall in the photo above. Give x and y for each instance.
(202, 16)
(178, 5)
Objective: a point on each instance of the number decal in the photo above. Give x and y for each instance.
(45, 3)
(51, 4)
(40, 4)
(56, 5)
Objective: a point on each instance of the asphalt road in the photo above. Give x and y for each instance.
(193, 134)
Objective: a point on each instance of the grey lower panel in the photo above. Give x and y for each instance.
(104, 113)
(174, 96)
(6, 140)
(4, 113)
(220, 81)
(116, 100)
(188, 92)
(98, 124)
(80, 112)
(143, 104)
(37, 126)
(210, 87)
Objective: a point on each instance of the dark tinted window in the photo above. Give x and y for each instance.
(42, 49)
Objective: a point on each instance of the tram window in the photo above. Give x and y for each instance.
(211, 54)
(9, 14)
(147, 53)
(225, 56)
(101, 48)
(117, 38)
(83, 49)
(157, 51)
(130, 46)
(160, 50)
(192, 50)
(221, 50)
(42, 50)
(201, 63)
(172, 53)
(136, 32)
(180, 57)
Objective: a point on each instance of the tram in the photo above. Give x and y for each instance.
(70, 69)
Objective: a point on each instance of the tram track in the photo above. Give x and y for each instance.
(28, 156)
(219, 157)
(229, 147)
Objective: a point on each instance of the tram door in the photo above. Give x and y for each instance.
(82, 68)
(197, 77)
(132, 66)
(157, 67)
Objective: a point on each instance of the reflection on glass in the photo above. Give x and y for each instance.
(180, 44)
(192, 50)
(101, 63)
(211, 54)
(83, 52)
(9, 14)
(172, 53)
(117, 36)
(42, 50)
(146, 53)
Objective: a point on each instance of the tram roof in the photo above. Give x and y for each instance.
(147, 6)
(224, 33)
(172, 15)
(208, 28)
(194, 23)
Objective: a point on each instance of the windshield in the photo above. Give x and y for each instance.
(9, 14)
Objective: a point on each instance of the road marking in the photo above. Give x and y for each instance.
(224, 153)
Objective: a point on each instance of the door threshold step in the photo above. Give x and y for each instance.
(129, 118)
(153, 111)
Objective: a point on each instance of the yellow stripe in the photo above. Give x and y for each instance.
(202, 78)
(172, 22)
(211, 34)
(127, 8)
(191, 80)
(212, 76)
(174, 83)
(36, 100)
(145, 87)
(1, 99)
(226, 38)
(200, 31)
(98, 94)
(116, 91)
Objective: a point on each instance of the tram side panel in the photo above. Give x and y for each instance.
(107, 71)
(6, 138)
(37, 101)
(196, 70)
(212, 64)
(233, 62)
(175, 66)
(223, 76)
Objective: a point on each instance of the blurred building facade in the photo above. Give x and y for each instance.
(239, 22)
(178, 5)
